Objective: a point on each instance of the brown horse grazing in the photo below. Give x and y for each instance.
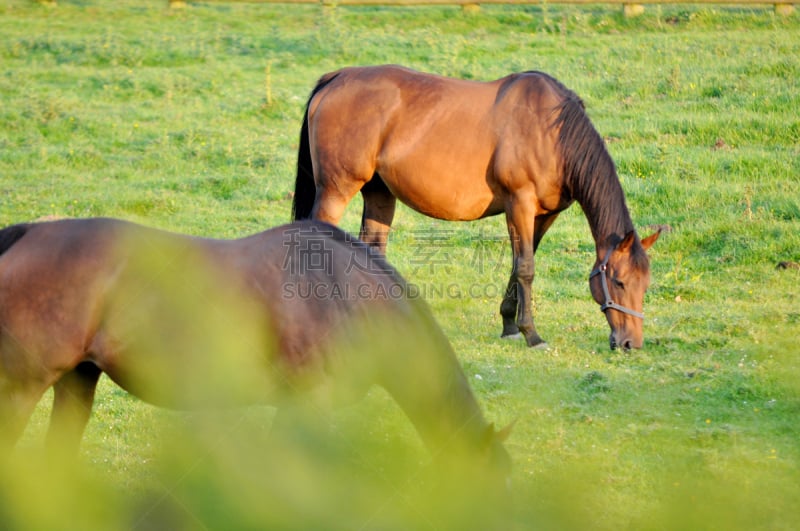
(186, 322)
(463, 150)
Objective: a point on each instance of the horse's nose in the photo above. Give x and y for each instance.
(627, 344)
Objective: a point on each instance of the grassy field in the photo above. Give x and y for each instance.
(189, 119)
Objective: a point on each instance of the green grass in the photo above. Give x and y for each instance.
(188, 120)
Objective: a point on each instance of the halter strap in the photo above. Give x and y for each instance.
(609, 303)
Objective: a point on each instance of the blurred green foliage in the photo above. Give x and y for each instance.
(131, 110)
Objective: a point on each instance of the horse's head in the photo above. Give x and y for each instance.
(467, 485)
(618, 282)
(483, 479)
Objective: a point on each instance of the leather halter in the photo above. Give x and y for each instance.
(609, 303)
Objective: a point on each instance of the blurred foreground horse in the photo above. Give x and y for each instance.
(184, 322)
(463, 150)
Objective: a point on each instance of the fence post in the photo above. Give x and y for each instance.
(632, 10)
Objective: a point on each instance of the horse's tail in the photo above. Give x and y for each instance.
(11, 235)
(305, 189)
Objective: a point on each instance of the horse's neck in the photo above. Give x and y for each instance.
(425, 378)
(445, 414)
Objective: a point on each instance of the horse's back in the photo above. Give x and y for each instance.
(398, 98)
(389, 88)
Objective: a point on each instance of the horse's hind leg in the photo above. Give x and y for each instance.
(334, 192)
(72, 405)
(376, 220)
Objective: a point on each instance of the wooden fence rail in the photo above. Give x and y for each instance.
(631, 7)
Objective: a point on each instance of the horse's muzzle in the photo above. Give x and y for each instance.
(625, 344)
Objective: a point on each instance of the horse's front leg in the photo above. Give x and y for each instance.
(520, 229)
(523, 265)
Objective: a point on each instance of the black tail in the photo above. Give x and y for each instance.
(11, 235)
(305, 189)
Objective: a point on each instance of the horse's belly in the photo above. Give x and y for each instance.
(448, 195)
(451, 204)
(177, 357)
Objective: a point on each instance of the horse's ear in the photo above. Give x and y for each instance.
(627, 242)
(492, 436)
(503, 434)
(488, 435)
(650, 240)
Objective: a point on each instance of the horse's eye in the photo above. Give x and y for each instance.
(618, 283)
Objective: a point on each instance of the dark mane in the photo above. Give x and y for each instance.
(11, 235)
(589, 171)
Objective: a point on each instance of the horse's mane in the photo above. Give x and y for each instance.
(589, 170)
(11, 235)
(590, 174)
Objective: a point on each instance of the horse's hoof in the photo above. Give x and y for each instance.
(534, 341)
(516, 335)
(541, 346)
